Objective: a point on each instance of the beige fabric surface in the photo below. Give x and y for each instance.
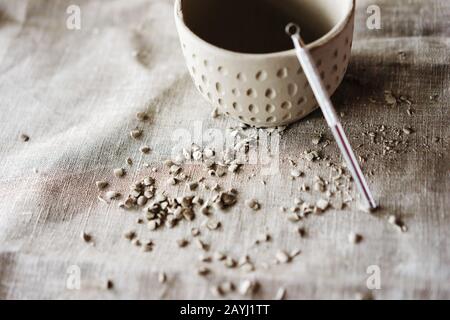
(76, 93)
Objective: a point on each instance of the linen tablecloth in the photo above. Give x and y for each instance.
(75, 93)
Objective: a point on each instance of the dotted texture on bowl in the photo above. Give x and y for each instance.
(265, 92)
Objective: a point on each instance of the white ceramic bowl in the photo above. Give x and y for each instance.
(267, 89)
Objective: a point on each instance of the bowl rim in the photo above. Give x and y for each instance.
(323, 40)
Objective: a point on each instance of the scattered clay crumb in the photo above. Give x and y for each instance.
(161, 210)
(208, 153)
(302, 232)
(205, 258)
(248, 267)
(282, 257)
(136, 242)
(265, 237)
(172, 181)
(86, 237)
(407, 130)
(293, 217)
(201, 245)
(168, 163)
(281, 294)
(319, 185)
(130, 235)
(219, 256)
(174, 169)
(312, 156)
(145, 149)
(253, 204)
(152, 225)
(182, 243)
(162, 277)
(112, 195)
(193, 186)
(296, 173)
(389, 98)
(24, 137)
(248, 287)
(141, 116)
(216, 291)
(398, 223)
(148, 246)
(434, 97)
(203, 271)
(101, 185)
(226, 287)
(212, 224)
(294, 253)
(195, 232)
(135, 134)
(109, 284)
(197, 155)
(243, 260)
(186, 154)
(322, 204)
(119, 172)
(230, 262)
(316, 140)
(226, 199)
(354, 238)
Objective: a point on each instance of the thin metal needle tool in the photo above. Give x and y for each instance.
(325, 104)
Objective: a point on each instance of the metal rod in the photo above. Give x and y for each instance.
(329, 112)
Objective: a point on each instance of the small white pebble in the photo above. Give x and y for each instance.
(322, 204)
(101, 185)
(112, 195)
(119, 172)
(296, 173)
(282, 257)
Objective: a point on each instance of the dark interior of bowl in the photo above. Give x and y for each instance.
(251, 26)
